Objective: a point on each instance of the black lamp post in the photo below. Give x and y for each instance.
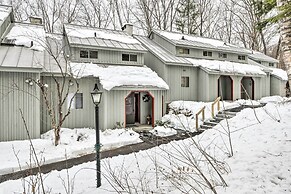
(96, 97)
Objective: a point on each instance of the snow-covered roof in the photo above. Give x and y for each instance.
(280, 73)
(258, 56)
(20, 57)
(160, 52)
(83, 35)
(181, 39)
(28, 35)
(115, 76)
(4, 12)
(227, 67)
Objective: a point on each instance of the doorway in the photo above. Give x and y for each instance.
(139, 109)
(247, 88)
(225, 87)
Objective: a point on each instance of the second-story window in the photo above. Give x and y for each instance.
(222, 55)
(184, 51)
(241, 57)
(271, 64)
(85, 54)
(207, 53)
(129, 57)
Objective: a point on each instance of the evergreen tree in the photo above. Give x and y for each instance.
(186, 17)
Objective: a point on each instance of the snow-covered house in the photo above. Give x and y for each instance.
(17, 64)
(197, 68)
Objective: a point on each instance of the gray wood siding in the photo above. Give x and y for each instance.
(198, 53)
(107, 57)
(277, 86)
(177, 92)
(78, 117)
(164, 43)
(4, 24)
(111, 108)
(155, 64)
(15, 94)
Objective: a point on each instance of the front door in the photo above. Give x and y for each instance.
(132, 108)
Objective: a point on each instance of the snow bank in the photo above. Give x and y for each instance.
(114, 76)
(227, 66)
(73, 143)
(4, 12)
(162, 131)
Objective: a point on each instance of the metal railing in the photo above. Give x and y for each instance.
(203, 116)
(217, 101)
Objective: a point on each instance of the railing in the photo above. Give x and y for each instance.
(203, 116)
(217, 101)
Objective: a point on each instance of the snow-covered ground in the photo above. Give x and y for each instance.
(73, 143)
(260, 163)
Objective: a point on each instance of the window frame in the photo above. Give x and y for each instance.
(90, 51)
(79, 101)
(222, 55)
(184, 51)
(83, 57)
(207, 53)
(185, 81)
(241, 57)
(129, 57)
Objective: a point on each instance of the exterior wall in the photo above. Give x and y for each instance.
(198, 53)
(156, 65)
(114, 104)
(78, 117)
(16, 94)
(164, 43)
(107, 57)
(4, 24)
(111, 108)
(177, 92)
(277, 86)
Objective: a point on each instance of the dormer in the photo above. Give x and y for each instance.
(6, 18)
(103, 46)
(263, 59)
(190, 46)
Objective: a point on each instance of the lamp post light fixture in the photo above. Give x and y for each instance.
(96, 95)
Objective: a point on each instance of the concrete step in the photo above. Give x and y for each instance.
(227, 113)
(225, 116)
(210, 123)
(205, 126)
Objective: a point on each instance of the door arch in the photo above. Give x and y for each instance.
(247, 88)
(138, 105)
(225, 87)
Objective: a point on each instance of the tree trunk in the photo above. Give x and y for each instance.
(57, 135)
(285, 32)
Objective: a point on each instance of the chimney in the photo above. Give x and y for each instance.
(35, 20)
(128, 28)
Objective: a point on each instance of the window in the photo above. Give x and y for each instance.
(79, 101)
(75, 102)
(129, 57)
(133, 57)
(207, 53)
(84, 54)
(184, 51)
(184, 81)
(241, 57)
(222, 55)
(94, 54)
(271, 64)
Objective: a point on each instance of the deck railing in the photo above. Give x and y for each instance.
(217, 101)
(202, 110)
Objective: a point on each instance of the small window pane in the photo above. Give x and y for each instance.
(210, 54)
(79, 101)
(271, 64)
(184, 81)
(183, 51)
(84, 54)
(222, 55)
(94, 54)
(125, 57)
(207, 53)
(133, 57)
(241, 57)
(204, 53)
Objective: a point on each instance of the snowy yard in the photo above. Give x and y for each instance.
(261, 142)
